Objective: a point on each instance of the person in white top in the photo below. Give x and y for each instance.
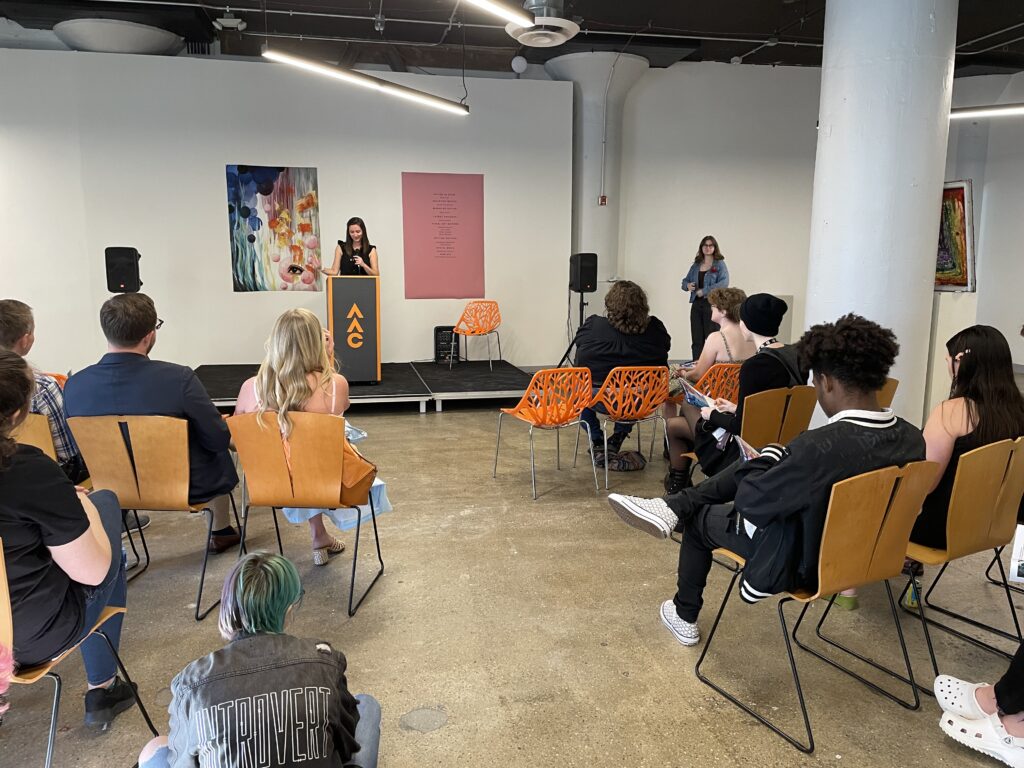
(297, 375)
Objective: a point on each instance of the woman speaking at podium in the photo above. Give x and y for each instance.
(354, 255)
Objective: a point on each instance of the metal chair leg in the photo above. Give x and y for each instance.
(593, 464)
(920, 613)
(489, 361)
(497, 443)
(533, 466)
(604, 433)
(498, 336)
(128, 679)
(988, 573)
(575, 451)
(131, 541)
(202, 573)
(558, 449)
(277, 530)
(244, 530)
(355, 560)
(807, 748)
(54, 711)
(908, 679)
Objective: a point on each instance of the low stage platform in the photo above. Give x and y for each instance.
(419, 382)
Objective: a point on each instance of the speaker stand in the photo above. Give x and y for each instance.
(583, 308)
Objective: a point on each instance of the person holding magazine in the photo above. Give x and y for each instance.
(708, 430)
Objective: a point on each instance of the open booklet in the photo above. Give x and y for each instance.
(747, 451)
(695, 397)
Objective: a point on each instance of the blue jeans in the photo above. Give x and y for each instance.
(99, 663)
(367, 734)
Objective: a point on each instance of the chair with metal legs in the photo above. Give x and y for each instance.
(479, 318)
(630, 394)
(864, 539)
(151, 475)
(308, 470)
(30, 675)
(554, 399)
(982, 516)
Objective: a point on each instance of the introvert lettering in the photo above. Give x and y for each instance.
(281, 728)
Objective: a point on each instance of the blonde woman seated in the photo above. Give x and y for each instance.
(296, 375)
(728, 344)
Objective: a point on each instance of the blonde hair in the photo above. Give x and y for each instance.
(295, 349)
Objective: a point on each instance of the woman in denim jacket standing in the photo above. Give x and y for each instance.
(707, 272)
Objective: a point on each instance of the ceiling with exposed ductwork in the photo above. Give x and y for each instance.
(422, 35)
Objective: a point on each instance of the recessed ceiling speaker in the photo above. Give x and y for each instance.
(550, 29)
(117, 36)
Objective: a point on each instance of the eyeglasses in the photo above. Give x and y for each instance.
(159, 324)
(708, 245)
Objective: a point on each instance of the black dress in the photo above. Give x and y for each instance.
(930, 527)
(348, 260)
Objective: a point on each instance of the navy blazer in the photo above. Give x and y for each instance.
(130, 384)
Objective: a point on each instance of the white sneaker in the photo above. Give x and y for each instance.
(685, 632)
(651, 516)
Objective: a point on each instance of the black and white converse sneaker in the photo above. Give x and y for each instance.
(651, 516)
(685, 632)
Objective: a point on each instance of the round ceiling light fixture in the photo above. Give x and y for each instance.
(547, 32)
(117, 36)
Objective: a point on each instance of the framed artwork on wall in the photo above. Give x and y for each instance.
(954, 262)
(274, 226)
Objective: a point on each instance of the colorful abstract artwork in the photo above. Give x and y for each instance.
(274, 223)
(954, 264)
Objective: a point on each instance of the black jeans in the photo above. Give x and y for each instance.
(713, 526)
(1010, 688)
(700, 325)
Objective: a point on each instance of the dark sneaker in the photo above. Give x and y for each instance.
(135, 527)
(102, 705)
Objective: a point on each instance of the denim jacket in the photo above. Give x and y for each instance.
(268, 700)
(716, 277)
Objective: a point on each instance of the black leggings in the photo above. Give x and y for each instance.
(1010, 688)
(700, 325)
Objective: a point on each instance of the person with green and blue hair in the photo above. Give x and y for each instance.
(266, 698)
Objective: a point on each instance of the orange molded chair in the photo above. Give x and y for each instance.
(30, 675)
(60, 378)
(479, 318)
(555, 398)
(630, 395)
(720, 380)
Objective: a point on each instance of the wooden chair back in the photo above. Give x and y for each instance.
(777, 415)
(555, 397)
(6, 617)
(721, 380)
(986, 495)
(305, 472)
(868, 525)
(887, 393)
(143, 459)
(35, 431)
(633, 392)
(479, 318)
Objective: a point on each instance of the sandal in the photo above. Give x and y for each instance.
(322, 555)
(958, 697)
(987, 736)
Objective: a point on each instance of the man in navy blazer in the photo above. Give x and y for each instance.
(125, 382)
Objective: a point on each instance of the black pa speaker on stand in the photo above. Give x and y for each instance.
(123, 270)
(582, 279)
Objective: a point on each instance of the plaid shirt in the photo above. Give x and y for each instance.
(49, 401)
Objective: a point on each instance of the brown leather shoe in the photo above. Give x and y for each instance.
(223, 543)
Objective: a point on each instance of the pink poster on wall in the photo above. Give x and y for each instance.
(443, 219)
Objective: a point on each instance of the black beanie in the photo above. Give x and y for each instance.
(762, 313)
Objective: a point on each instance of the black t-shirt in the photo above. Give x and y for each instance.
(39, 508)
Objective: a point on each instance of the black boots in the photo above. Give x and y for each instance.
(677, 480)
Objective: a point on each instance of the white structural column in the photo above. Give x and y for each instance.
(601, 80)
(886, 82)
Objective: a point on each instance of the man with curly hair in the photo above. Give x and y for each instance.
(771, 509)
(627, 334)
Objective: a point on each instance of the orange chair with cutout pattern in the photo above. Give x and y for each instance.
(554, 399)
(479, 318)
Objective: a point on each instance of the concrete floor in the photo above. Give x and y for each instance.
(528, 630)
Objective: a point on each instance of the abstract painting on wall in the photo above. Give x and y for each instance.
(274, 224)
(954, 264)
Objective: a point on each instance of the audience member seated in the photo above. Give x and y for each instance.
(728, 344)
(297, 703)
(708, 431)
(125, 382)
(296, 375)
(626, 335)
(17, 334)
(987, 718)
(984, 406)
(63, 554)
(771, 509)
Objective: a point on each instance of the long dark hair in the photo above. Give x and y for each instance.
(700, 249)
(984, 378)
(16, 387)
(347, 245)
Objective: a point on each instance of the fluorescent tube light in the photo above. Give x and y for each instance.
(995, 110)
(512, 15)
(366, 81)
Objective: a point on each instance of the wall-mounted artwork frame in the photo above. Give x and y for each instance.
(954, 261)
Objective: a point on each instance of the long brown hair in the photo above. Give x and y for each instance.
(984, 378)
(626, 308)
(16, 387)
(365, 246)
(700, 249)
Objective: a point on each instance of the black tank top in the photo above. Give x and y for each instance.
(348, 261)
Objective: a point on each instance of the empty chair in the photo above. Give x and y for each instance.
(479, 318)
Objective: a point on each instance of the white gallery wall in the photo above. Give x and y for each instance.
(99, 150)
(724, 150)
